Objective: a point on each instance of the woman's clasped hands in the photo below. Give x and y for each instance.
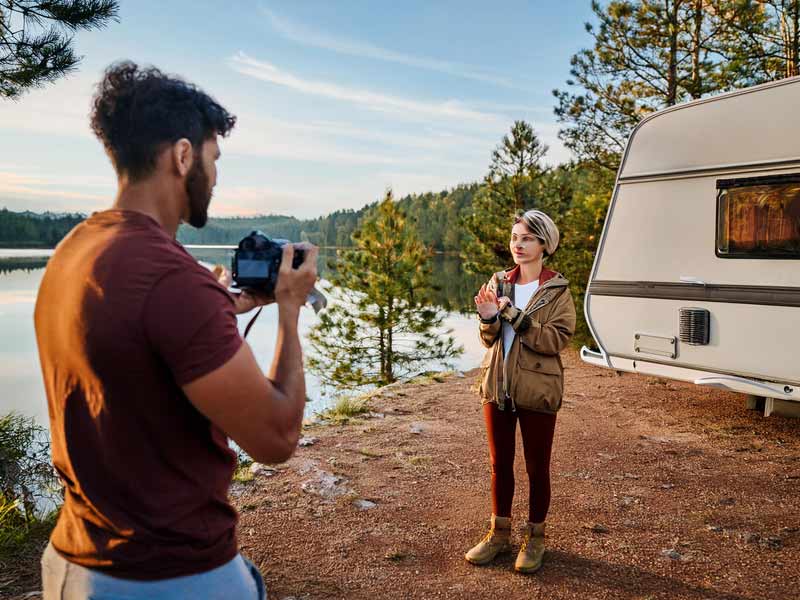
(488, 304)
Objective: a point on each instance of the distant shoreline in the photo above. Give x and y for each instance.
(24, 246)
(33, 246)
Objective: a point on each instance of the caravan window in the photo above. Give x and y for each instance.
(759, 217)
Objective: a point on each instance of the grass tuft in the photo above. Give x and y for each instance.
(345, 409)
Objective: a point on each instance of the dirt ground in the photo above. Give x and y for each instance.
(660, 490)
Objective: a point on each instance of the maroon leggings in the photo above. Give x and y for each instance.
(537, 442)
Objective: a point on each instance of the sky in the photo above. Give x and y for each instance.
(336, 101)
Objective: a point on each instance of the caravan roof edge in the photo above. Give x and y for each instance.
(685, 129)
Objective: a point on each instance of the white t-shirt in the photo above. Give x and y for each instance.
(522, 295)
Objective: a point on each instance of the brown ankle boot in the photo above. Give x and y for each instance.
(494, 543)
(529, 559)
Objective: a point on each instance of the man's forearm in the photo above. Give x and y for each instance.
(286, 372)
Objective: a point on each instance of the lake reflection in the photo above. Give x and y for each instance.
(21, 271)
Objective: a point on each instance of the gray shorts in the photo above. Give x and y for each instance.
(63, 580)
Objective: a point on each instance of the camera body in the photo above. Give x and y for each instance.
(257, 259)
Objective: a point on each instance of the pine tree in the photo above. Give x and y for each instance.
(516, 165)
(382, 324)
(509, 187)
(647, 55)
(767, 40)
(36, 41)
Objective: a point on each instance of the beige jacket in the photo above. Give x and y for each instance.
(532, 375)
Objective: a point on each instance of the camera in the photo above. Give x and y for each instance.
(257, 259)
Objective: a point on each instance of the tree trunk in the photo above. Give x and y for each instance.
(788, 14)
(388, 376)
(697, 84)
(672, 69)
(795, 63)
(382, 343)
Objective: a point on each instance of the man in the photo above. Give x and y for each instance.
(145, 371)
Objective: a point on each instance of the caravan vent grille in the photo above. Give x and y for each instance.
(695, 325)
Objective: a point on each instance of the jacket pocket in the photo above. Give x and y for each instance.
(531, 360)
(485, 370)
(540, 380)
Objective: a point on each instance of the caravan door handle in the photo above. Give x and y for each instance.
(693, 280)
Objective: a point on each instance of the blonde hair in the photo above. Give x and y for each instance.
(542, 227)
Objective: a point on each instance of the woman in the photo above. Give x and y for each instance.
(527, 317)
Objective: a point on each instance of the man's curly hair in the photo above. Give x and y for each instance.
(136, 112)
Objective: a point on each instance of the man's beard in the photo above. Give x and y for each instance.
(199, 195)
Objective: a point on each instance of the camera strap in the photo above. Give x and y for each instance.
(252, 321)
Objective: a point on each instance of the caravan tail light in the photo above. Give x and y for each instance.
(695, 326)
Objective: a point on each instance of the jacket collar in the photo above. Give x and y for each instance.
(546, 275)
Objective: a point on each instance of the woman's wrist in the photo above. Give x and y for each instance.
(489, 320)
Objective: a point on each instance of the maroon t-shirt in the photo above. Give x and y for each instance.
(124, 318)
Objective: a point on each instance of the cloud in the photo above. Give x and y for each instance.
(323, 143)
(61, 108)
(425, 137)
(310, 37)
(22, 191)
(232, 201)
(403, 107)
(271, 139)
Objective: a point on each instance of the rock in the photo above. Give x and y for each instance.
(631, 476)
(598, 528)
(667, 486)
(304, 465)
(325, 484)
(261, 469)
(671, 553)
(628, 500)
(656, 439)
(773, 543)
(376, 415)
(460, 374)
(306, 441)
(361, 504)
(715, 528)
(727, 502)
(750, 537)
(416, 428)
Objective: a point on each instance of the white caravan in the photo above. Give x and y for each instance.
(697, 274)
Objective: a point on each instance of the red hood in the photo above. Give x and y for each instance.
(546, 275)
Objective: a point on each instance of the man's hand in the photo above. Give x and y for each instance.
(246, 300)
(223, 275)
(294, 285)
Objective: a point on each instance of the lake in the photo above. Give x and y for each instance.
(21, 271)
